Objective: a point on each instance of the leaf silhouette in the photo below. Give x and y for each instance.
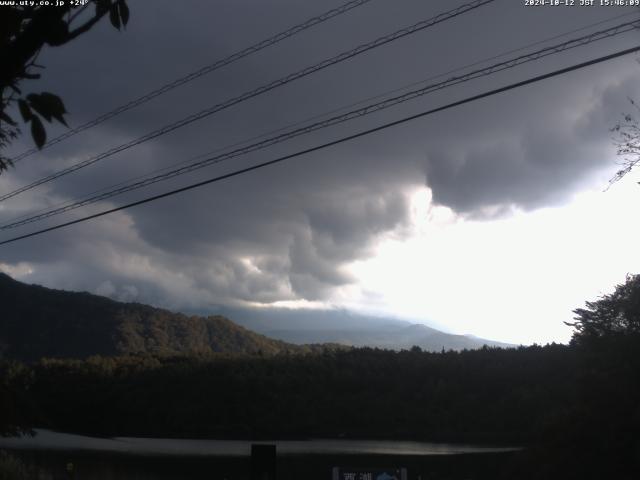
(6, 118)
(48, 105)
(114, 16)
(37, 132)
(25, 111)
(124, 12)
(40, 107)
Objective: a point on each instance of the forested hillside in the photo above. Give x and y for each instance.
(40, 322)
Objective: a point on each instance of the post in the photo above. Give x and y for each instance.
(263, 462)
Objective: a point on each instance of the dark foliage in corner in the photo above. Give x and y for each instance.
(627, 141)
(24, 31)
(617, 313)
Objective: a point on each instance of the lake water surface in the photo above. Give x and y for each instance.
(125, 458)
(49, 440)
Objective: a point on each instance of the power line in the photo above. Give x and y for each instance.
(332, 143)
(324, 114)
(375, 107)
(623, 28)
(260, 90)
(199, 73)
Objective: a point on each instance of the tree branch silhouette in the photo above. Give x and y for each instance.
(24, 31)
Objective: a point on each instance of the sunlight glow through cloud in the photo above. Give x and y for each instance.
(514, 279)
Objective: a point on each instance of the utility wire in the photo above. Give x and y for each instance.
(369, 109)
(324, 114)
(316, 117)
(363, 133)
(198, 73)
(260, 90)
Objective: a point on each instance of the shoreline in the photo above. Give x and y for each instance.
(48, 440)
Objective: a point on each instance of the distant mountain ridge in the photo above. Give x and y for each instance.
(38, 322)
(349, 328)
(396, 338)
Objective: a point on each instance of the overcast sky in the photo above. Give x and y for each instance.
(489, 218)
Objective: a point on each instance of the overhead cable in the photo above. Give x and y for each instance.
(331, 143)
(366, 110)
(258, 91)
(197, 74)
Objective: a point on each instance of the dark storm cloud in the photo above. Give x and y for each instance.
(299, 227)
(288, 232)
(539, 165)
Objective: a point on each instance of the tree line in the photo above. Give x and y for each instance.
(576, 407)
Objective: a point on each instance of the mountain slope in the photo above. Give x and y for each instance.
(349, 328)
(39, 322)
